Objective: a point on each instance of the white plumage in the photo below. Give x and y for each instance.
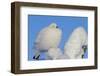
(49, 37)
(74, 47)
(55, 53)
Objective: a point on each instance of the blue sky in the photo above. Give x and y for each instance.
(66, 23)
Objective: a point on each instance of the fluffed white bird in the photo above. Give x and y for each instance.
(48, 37)
(76, 45)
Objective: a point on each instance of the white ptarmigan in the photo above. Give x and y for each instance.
(48, 37)
(74, 48)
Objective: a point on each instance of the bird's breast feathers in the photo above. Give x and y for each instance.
(49, 37)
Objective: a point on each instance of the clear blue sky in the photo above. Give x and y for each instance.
(66, 23)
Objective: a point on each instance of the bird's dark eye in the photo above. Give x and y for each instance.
(84, 47)
(57, 27)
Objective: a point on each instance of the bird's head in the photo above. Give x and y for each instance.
(53, 25)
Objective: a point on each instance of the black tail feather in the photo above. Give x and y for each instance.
(36, 58)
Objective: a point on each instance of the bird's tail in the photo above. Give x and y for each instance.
(36, 55)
